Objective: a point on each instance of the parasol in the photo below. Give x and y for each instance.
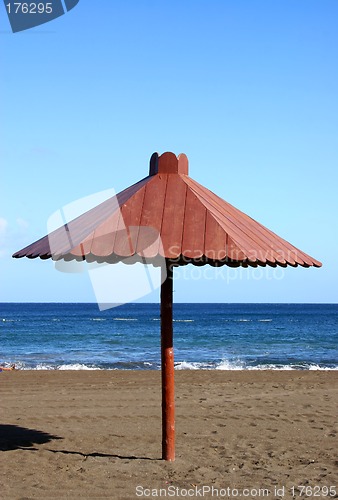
(168, 217)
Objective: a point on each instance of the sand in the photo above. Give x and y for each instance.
(97, 434)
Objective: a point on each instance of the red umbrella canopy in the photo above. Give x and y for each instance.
(189, 224)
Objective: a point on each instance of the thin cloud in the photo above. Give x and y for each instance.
(3, 233)
(12, 235)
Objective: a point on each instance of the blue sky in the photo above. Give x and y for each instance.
(248, 90)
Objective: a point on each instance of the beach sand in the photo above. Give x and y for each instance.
(97, 434)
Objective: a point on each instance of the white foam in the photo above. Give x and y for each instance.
(185, 365)
(40, 367)
(125, 319)
(316, 367)
(229, 365)
(240, 365)
(77, 366)
(45, 366)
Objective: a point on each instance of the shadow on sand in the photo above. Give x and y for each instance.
(102, 455)
(14, 437)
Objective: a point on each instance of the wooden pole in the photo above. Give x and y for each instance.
(167, 360)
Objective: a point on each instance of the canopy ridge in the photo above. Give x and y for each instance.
(256, 232)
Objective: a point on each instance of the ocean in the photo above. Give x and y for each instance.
(206, 336)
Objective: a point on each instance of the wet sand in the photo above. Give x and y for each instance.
(97, 434)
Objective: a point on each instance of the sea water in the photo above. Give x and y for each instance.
(206, 336)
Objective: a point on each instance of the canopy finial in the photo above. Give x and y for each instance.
(168, 163)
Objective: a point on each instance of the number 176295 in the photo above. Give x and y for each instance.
(29, 8)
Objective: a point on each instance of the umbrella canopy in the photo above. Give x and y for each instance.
(170, 216)
(194, 225)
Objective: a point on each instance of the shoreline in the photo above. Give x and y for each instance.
(177, 369)
(224, 366)
(97, 433)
